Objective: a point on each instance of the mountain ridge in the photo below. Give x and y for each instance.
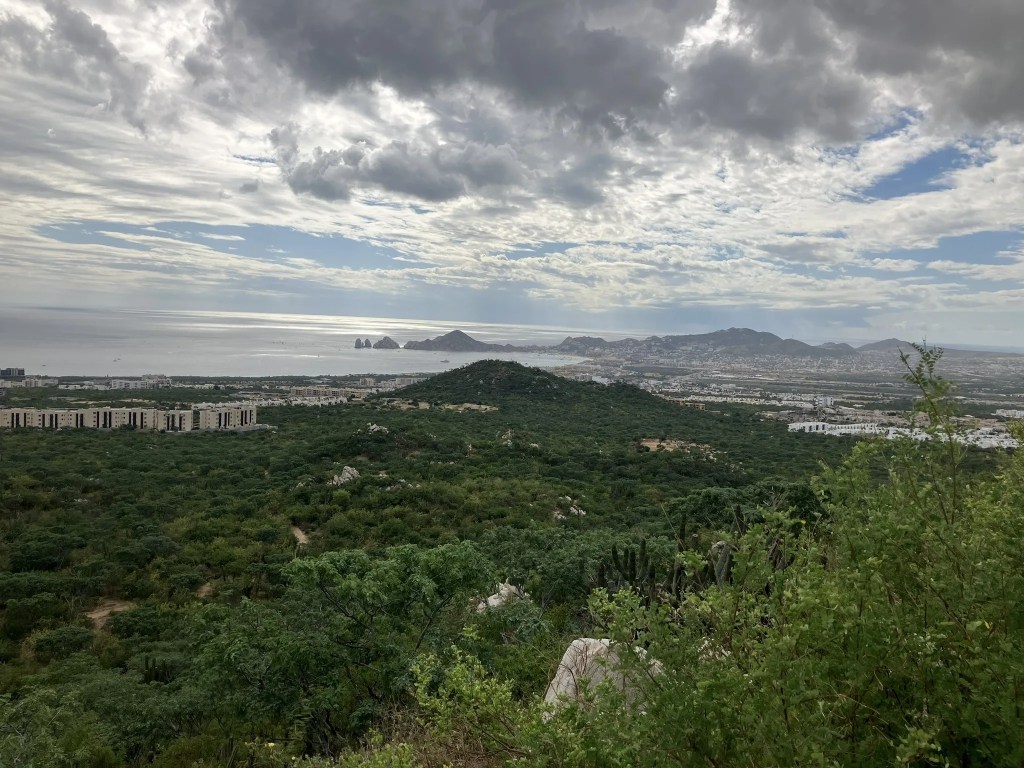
(736, 342)
(458, 341)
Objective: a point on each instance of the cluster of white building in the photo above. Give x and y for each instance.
(208, 419)
(986, 437)
(29, 381)
(1010, 413)
(806, 401)
(149, 381)
(823, 428)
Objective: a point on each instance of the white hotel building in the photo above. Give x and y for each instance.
(822, 428)
(227, 417)
(146, 419)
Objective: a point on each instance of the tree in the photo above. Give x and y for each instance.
(45, 730)
(342, 642)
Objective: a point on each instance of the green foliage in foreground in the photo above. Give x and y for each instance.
(895, 636)
(892, 635)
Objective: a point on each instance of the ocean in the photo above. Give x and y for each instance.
(101, 343)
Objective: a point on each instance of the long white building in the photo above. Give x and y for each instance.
(146, 419)
(986, 437)
(822, 428)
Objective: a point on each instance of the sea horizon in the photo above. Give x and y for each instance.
(100, 343)
(118, 342)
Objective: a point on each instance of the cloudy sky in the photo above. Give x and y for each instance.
(817, 168)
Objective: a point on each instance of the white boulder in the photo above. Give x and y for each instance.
(588, 662)
(348, 474)
(507, 593)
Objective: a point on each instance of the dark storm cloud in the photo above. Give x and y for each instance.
(964, 56)
(589, 58)
(434, 174)
(727, 87)
(607, 63)
(74, 49)
(582, 184)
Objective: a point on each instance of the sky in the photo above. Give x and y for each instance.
(824, 169)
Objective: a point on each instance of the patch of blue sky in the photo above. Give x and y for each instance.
(925, 174)
(91, 233)
(978, 248)
(395, 206)
(835, 234)
(142, 265)
(813, 269)
(377, 203)
(256, 241)
(982, 248)
(533, 250)
(640, 247)
(917, 274)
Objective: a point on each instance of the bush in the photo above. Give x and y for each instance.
(50, 645)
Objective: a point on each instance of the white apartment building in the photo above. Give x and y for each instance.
(822, 428)
(221, 418)
(317, 392)
(149, 381)
(149, 419)
(985, 438)
(1009, 413)
(93, 418)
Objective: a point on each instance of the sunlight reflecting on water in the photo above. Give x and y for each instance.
(130, 342)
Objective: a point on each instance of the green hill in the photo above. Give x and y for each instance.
(591, 423)
(493, 382)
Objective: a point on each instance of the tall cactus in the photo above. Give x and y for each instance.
(631, 569)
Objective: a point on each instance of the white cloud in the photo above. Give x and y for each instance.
(667, 207)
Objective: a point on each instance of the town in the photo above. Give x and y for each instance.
(792, 390)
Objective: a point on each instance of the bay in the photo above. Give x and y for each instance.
(117, 342)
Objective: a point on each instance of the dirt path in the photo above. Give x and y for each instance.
(102, 612)
(300, 535)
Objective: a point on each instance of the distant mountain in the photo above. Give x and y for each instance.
(884, 346)
(733, 341)
(729, 343)
(838, 347)
(457, 341)
(387, 343)
(582, 345)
